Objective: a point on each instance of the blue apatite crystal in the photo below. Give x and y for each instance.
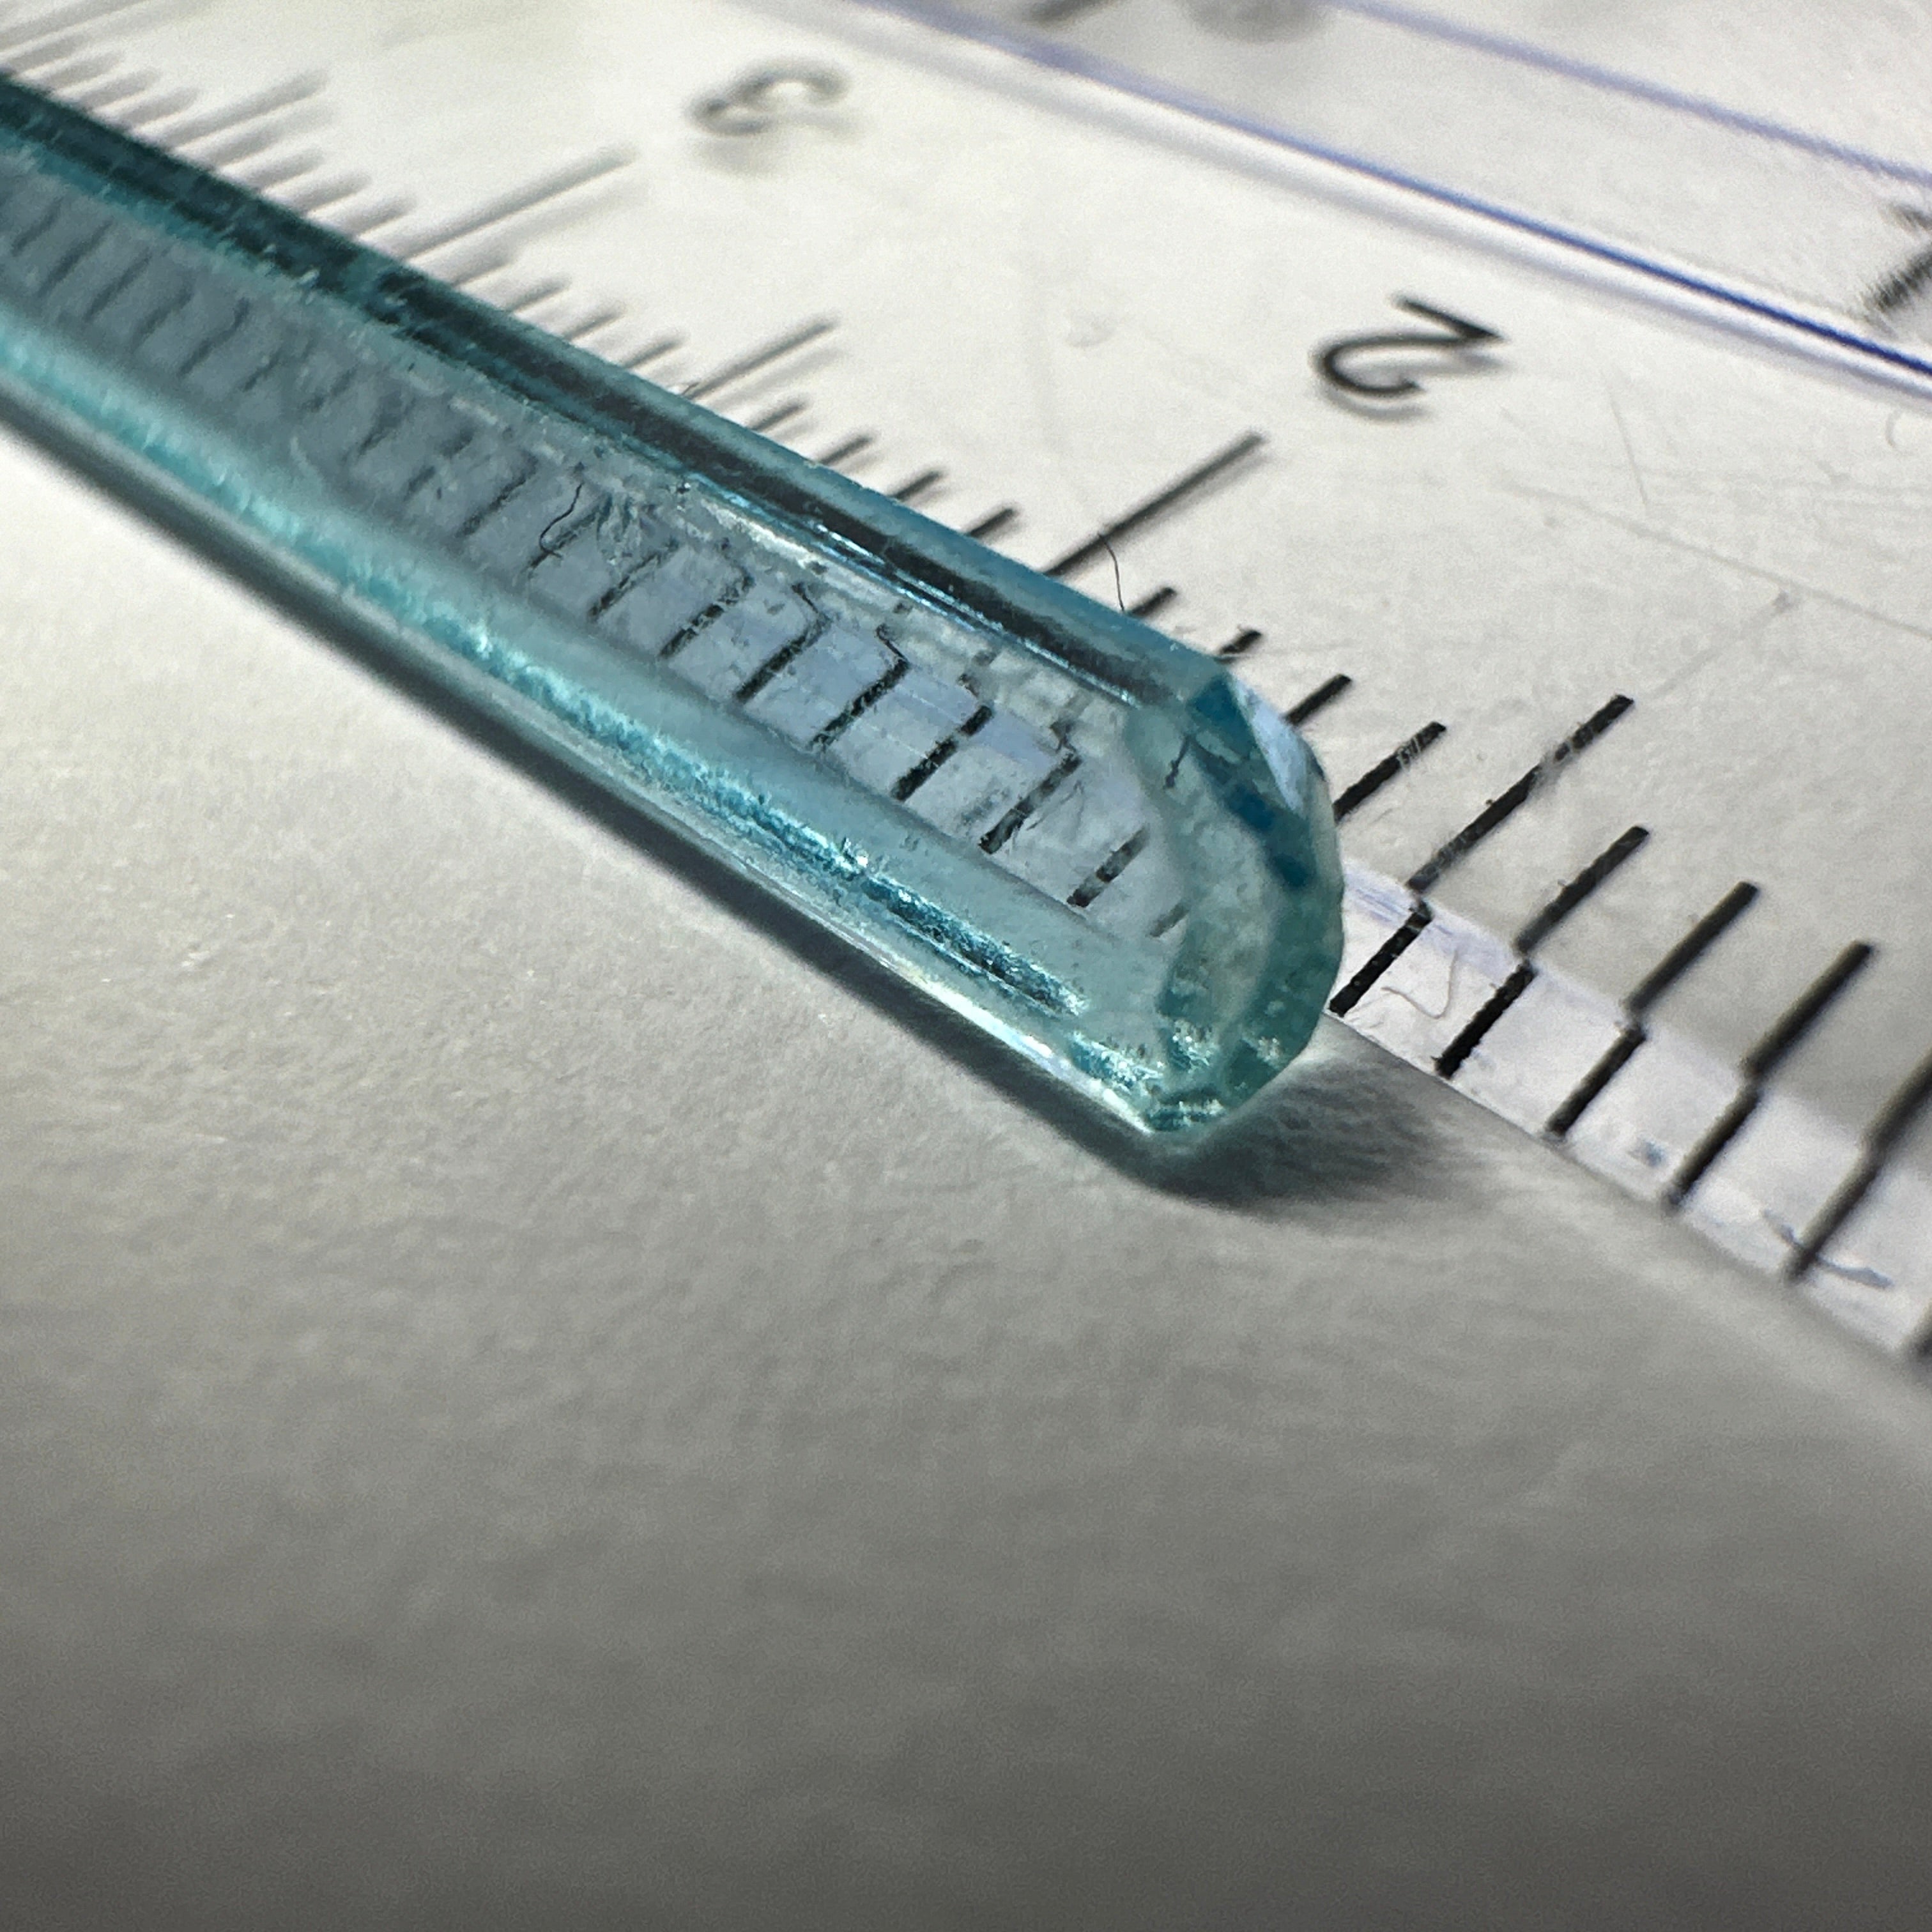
(1093, 843)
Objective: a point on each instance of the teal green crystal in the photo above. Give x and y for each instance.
(1091, 841)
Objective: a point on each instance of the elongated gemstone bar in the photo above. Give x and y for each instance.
(1091, 841)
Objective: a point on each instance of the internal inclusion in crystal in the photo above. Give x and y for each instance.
(1094, 844)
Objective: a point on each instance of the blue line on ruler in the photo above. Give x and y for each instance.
(1526, 53)
(1057, 55)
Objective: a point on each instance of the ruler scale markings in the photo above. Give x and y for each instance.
(285, 168)
(1704, 934)
(1324, 694)
(1895, 1119)
(428, 472)
(1620, 850)
(1160, 504)
(46, 56)
(1109, 869)
(1507, 804)
(1421, 916)
(600, 317)
(1239, 645)
(740, 588)
(763, 425)
(1492, 817)
(621, 585)
(1386, 770)
(1016, 816)
(1900, 288)
(1587, 1091)
(115, 285)
(35, 230)
(93, 99)
(1297, 715)
(1155, 601)
(653, 351)
(904, 787)
(1692, 947)
(513, 201)
(74, 74)
(377, 214)
(158, 108)
(894, 674)
(1449, 1061)
(843, 452)
(914, 487)
(785, 654)
(762, 357)
(529, 297)
(70, 261)
(288, 93)
(1776, 1046)
(991, 524)
(340, 187)
(57, 20)
(1805, 1012)
(527, 474)
(244, 145)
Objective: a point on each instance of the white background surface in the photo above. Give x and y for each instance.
(533, 1394)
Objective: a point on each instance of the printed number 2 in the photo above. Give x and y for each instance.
(1453, 335)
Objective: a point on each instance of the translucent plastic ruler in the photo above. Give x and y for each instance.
(1577, 524)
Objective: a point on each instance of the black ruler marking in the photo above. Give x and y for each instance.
(1159, 505)
(1625, 847)
(1652, 988)
(1763, 1060)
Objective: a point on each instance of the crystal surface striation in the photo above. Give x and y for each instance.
(1090, 841)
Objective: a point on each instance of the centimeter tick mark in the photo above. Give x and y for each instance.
(75, 73)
